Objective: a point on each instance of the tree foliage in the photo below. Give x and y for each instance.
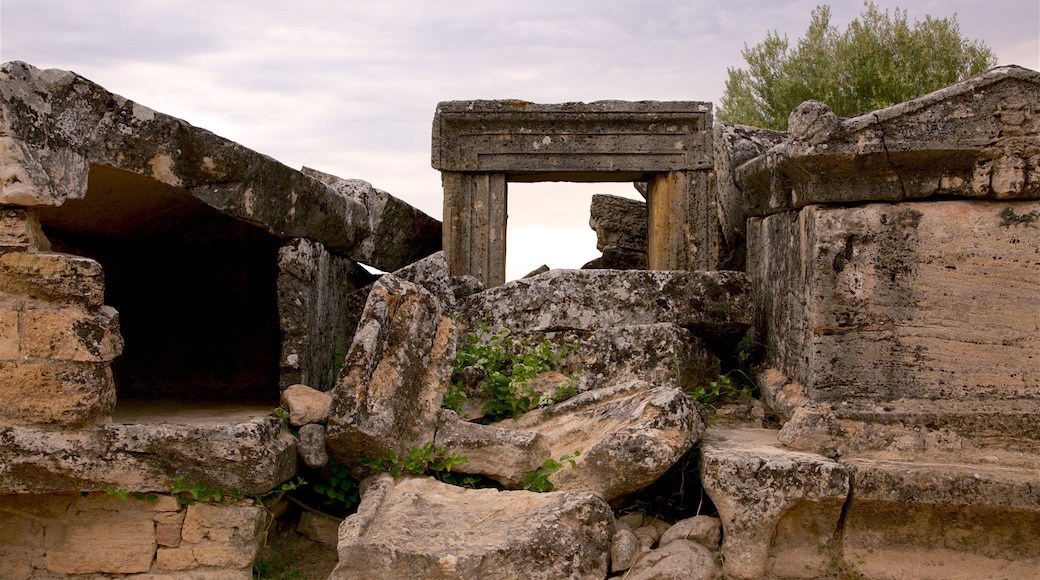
(878, 61)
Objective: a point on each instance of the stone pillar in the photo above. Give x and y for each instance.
(683, 232)
(475, 225)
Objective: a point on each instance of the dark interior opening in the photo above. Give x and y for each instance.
(196, 290)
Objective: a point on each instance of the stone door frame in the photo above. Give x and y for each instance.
(481, 146)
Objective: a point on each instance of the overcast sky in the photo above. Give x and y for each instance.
(350, 87)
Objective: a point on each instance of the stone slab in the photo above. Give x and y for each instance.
(885, 302)
(46, 392)
(599, 138)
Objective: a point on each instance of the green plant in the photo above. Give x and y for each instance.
(717, 391)
(277, 566)
(281, 413)
(123, 493)
(538, 480)
(510, 366)
(340, 490)
(427, 459)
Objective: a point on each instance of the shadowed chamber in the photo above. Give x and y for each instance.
(195, 289)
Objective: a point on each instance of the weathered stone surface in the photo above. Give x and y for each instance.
(615, 258)
(735, 145)
(223, 523)
(306, 405)
(71, 334)
(396, 234)
(679, 560)
(312, 446)
(705, 530)
(905, 304)
(20, 231)
(421, 528)
(318, 307)
(101, 541)
(504, 455)
(319, 528)
(57, 278)
(979, 137)
(683, 226)
(619, 222)
(777, 506)
(932, 521)
(46, 392)
(252, 456)
(713, 305)
(627, 436)
(432, 274)
(389, 391)
(623, 550)
(622, 138)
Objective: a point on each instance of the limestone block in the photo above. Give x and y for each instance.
(777, 506)
(312, 446)
(55, 392)
(619, 222)
(71, 334)
(318, 306)
(432, 274)
(10, 334)
(705, 530)
(615, 258)
(933, 520)
(504, 455)
(319, 528)
(924, 301)
(396, 235)
(389, 391)
(20, 231)
(176, 558)
(59, 278)
(713, 305)
(306, 405)
(976, 138)
(623, 550)
(627, 436)
(168, 534)
(226, 556)
(421, 528)
(101, 541)
(252, 455)
(679, 560)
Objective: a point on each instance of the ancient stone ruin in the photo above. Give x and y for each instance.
(873, 281)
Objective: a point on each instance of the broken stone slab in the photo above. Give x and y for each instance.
(935, 521)
(422, 528)
(777, 506)
(20, 231)
(397, 234)
(389, 391)
(621, 438)
(505, 455)
(679, 560)
(713, 305)
(615, 258)
(735, 145)
(977, 138)
(884, 302)
(432, 274)
(320, 298)
(52, 277)
(248, 452)
(619, 222)
(57, 125)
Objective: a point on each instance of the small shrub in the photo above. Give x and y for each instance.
(538, 480)
(426, 459)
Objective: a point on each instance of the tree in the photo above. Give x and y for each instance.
(879, 60)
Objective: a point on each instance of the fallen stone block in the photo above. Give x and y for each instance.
(504, 455)
(777, 506)
(715, 306)
(306, 405)
(312, 446)
(389, 392)
(421, 528)
(625, 436)
(619, 222)
(679, 560)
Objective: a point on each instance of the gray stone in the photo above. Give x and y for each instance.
(421, 528)
(623, 550)
(713, 305)
(627, 436)
(306, 405)
(777, 506)
(249, 453)
(504, 455)
(679, 560)
(319, 528)
(389, 391)
(615, 258)
(618, 222)
(539, 270)
(312, 446)
(705, 530)
(431, 273)
(812, 122)
(975, 138)
(320, 299)
(396, 235)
